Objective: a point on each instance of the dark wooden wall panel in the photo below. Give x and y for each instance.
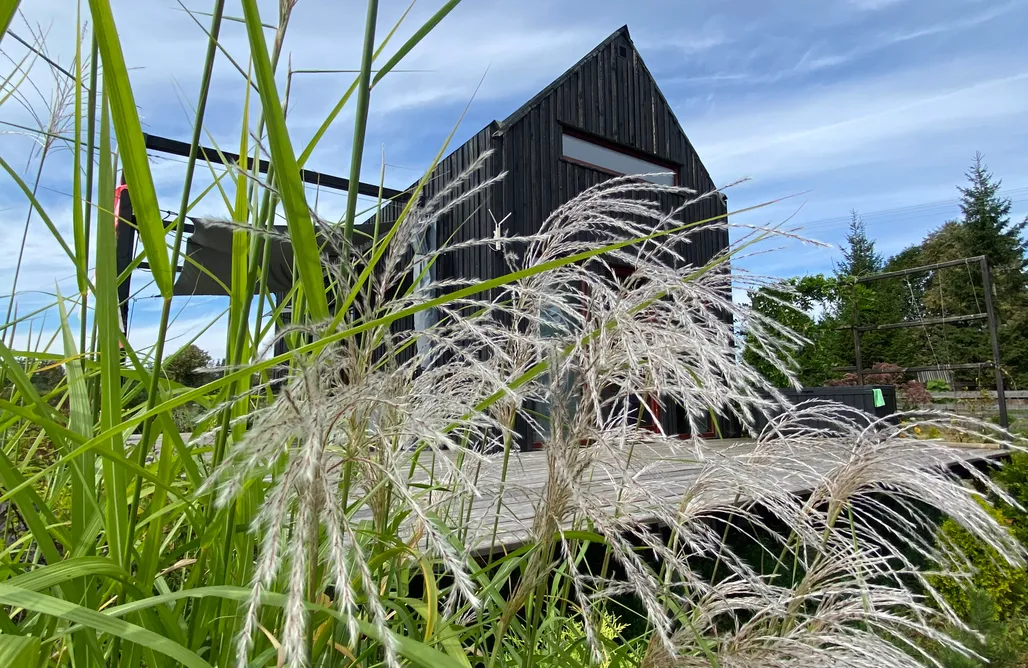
(615, 98)
(468, 220)
(608, 95)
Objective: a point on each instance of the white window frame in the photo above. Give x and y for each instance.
(606, 158)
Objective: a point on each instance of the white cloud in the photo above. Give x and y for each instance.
(872, 5)
(858, 122)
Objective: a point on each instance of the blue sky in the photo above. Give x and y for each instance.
(877, 105)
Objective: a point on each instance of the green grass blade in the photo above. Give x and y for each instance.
(44, 578)
(98, 621)
(108, 325)
(306, 257)
(417, 652)
(392, 62)
(80, 421)
(40, 211)
(7, 13)
(19, 650)
(415, 39)
(27, 502)
(361, 121)
(131, 145)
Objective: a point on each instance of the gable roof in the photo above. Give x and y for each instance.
(524, 109)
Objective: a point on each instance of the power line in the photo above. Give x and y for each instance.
(908, 212)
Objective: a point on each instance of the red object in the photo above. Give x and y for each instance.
(117, 202)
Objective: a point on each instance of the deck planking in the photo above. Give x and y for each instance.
(666, 472)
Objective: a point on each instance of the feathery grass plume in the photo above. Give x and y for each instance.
(350, 426)
(376, 443)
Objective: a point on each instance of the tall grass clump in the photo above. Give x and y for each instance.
(362, 498)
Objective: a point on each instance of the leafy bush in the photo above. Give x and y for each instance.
(937, 385)
(1000, 643)
(1003, 583)
(912, 394)
(186, 367)
(994, 602)
(881, 373)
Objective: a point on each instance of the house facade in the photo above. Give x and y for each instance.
(604, 117)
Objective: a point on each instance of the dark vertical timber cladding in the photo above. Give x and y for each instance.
(609, 94)
(613, 97)
(468, 220)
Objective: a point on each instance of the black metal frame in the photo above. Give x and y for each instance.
(126, 234)
(989, 315)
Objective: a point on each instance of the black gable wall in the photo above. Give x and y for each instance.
(469, 219)
(611, 96)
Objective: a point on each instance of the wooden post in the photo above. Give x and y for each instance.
(990, 311)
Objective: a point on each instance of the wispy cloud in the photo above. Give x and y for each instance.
(867, 104)
(852, 123)
(872, 5)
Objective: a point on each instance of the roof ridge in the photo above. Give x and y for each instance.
(523, 109)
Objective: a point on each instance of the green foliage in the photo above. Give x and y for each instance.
(995, 601)
(937, 385)
(1003, 583)
(1000, 643)
(186, 367)
(984, 229)
(1013, 476)
(566, 637)
(805, 306)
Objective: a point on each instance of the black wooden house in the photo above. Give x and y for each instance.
(603, 117)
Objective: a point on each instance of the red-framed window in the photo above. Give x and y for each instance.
(599, 154)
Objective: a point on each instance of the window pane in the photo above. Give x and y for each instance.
(615, 161)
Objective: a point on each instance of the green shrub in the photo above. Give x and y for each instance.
(1001, 643)
(1013, 476)
(937, 385)
(1005, 584)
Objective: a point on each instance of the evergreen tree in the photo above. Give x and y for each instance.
(989, 231)
(859, 257)
(985, 229)
(863, 303)
(987, 226)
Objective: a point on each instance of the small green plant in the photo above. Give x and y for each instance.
(1000, 643)
(1003, 583)
(937, 385)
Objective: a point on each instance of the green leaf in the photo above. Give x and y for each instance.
(45, 577)
(361, 121)
(98, 621)
(19, 650)
(415, 651)
(107, 322)
(131, 145)
(7, 13)
(306, 257)
(81, 422)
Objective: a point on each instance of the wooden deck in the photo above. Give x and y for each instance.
(667, 472)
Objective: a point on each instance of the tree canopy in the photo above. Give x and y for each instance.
(823, 308)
